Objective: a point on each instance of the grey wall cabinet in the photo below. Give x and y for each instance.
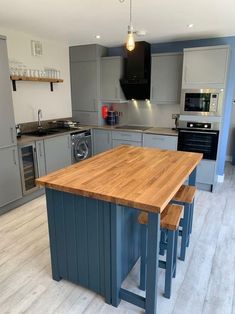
(10, 181)
(166, 78)
(57, 152)
(40, 158)
(205, 67)
(160, 141)
(7, 122)
(111, 72)
(102, 141)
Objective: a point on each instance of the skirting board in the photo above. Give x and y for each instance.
(220, 179)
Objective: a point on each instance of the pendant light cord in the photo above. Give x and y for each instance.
(131, 13)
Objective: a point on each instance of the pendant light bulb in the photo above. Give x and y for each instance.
(130, 44)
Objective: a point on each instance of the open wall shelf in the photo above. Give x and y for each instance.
(15, 78)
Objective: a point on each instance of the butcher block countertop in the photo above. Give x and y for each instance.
(138, 177)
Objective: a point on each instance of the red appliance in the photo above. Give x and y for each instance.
(105, 112)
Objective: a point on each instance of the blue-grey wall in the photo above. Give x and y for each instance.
(178, 46)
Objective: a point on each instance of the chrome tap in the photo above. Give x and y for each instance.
(39, 118)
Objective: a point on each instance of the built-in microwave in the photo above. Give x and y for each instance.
(203, 102)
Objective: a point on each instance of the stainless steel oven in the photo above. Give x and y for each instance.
(203, 102)
(199, 138)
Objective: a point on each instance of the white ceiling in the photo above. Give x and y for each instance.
(78, 21)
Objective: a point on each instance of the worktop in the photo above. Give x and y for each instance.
(143, 178)
(25, 139)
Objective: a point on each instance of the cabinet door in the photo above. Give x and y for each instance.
(57, 152)
(10, 182)
(111, 72)
(205, 67)
(84, 85)
(7, 123)
(125, 142)
(206, 172)
(102, 141)
(40, 158)
(160, 141)
(166, 78)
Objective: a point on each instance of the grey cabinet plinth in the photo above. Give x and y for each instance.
(57, 152)
(10, 182)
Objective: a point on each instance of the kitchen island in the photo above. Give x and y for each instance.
(92, 216)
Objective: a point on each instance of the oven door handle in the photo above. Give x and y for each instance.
(200, 132)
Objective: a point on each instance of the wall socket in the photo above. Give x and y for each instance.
(175, 116)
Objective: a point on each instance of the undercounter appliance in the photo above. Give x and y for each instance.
(199, 137)
(28, 167)
(81, 146)
(202, 102)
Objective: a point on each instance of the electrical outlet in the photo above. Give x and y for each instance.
(175, 115)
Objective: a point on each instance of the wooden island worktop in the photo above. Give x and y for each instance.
(93, 209)
(144, 178)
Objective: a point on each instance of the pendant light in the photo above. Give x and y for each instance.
(130, 43)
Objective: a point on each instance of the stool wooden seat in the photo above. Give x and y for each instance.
(185, 196)
(170, 217)
(170, 220)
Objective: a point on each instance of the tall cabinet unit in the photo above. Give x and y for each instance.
(10, 182)
(85, 72)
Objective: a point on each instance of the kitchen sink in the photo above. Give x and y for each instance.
(44, 132)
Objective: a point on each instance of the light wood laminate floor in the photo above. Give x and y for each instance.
(204, 282)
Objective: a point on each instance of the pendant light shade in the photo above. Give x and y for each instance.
(130, 43)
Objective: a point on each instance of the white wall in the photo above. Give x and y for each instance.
(33, 95)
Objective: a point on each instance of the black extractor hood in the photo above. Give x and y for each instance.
(137, 72)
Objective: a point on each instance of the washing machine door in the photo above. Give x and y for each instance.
(81, 150)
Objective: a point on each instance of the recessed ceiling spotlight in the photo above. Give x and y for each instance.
(97, 36)
(190, 25)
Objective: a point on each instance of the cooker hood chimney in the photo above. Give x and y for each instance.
(137, 72)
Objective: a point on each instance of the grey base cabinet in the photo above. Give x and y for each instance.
(160, 141)
(206, 172)
(10, 181)
(102, 141)
(57, 152)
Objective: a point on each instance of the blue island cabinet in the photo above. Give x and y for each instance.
(83, 232)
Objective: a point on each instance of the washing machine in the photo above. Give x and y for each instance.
(81, 146)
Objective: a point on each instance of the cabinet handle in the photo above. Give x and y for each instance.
(12, 136)
(14, 156)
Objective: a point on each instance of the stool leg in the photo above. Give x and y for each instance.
(143, 254)
(169, 263)
(185, 231)
(175, 251)
(191, 220)
(163, 240)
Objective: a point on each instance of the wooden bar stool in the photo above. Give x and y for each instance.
(185, 196)
(170, 219)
